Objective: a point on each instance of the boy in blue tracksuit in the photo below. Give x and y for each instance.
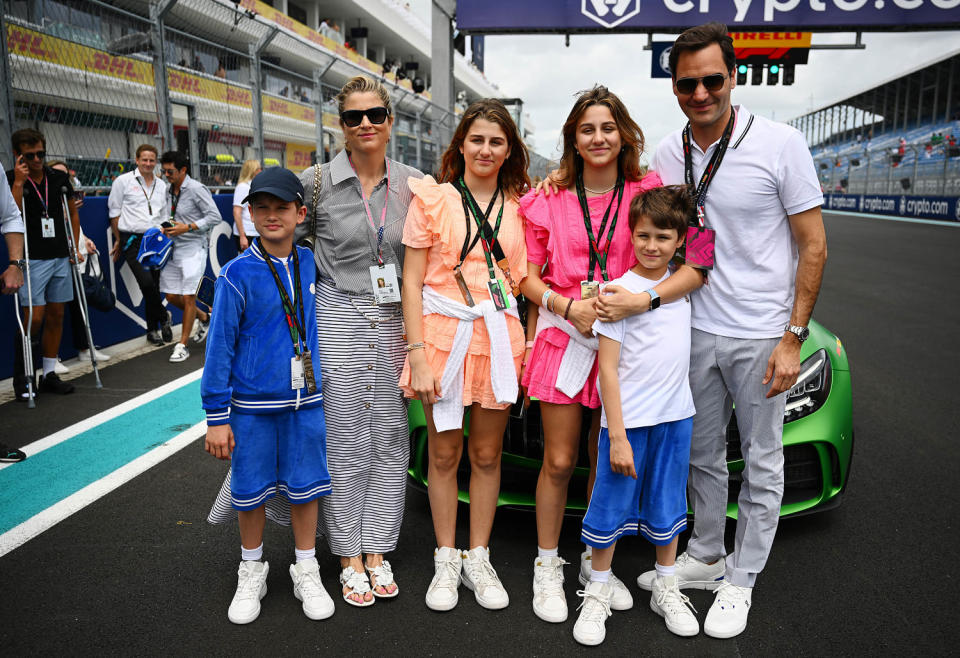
(261, 392)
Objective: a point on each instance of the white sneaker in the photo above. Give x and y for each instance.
(251, 587)
(727, 616)
(180, 353)
(442, 593)
(549, 601)
(621, 599)
(84, 355)
(308, 588)
(674, 607)
(480, 576)
(691, 574)
(590, 628)
(200, 329)
(60, 369)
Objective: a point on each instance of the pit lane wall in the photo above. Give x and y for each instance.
(945, 209)
(126, 320)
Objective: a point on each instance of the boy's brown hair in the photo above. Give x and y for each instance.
(669, 207)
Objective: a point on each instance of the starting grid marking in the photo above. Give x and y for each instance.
(76, 466)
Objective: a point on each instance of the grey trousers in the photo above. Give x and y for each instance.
(726, 372)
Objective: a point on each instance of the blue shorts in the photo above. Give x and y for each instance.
(51, 282)
(656, 502)
(285, 452)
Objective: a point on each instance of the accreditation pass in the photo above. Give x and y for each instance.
(385, 284)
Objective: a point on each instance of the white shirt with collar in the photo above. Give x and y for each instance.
(138, 205)
(766, 174)
(11, 221)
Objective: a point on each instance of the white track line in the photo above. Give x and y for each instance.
(893, 218)
(49, 517)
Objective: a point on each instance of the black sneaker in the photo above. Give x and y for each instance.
(10, 455)
(53, 384)
(165, 329)
(153, 336)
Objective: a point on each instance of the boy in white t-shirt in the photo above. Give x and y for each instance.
(646, 424)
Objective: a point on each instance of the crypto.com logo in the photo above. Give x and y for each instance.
(610, 13)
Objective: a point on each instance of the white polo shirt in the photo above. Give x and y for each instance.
(138, 205)
(766, 174)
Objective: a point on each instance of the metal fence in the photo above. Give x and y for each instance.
(916, 171)
(224, 81)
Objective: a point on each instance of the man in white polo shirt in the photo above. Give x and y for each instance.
(136, 204)
(763, 199)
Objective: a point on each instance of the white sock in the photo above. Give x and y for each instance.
(49, 365)
(597, 576)
(547, 552)
(305, 554)
(663, 571)
(251, 554)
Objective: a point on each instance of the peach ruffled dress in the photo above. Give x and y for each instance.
(557, 237)
(436, 222)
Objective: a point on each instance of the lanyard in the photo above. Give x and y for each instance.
(487, 236)
(295, 324)
(46, 193)
(383, 213)
(598, 255)
(174, 200)
(144, 190)
(700, 194)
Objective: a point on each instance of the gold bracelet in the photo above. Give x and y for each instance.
(415, 346)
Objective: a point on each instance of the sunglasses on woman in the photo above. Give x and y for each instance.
(712, 82)
(353, 118)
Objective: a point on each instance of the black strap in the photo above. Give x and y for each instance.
(296, 324)
(597, 255)
(486, 235)
(700, 192)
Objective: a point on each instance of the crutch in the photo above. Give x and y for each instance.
(78, 283)
(25, 335)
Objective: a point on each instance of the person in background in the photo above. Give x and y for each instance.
(11, 279)
(243, 228)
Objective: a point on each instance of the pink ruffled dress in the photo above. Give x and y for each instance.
(435, 221)
(557, 237)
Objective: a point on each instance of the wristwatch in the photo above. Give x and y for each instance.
(802, 333)
(22, 264)
(654, 298)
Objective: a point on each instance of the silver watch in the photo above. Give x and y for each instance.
(802, 333)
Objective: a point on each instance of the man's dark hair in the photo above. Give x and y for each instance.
(698, 38)
(27, 137)
(177, 159)
(669, 207)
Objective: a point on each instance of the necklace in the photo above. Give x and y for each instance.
(599, 191)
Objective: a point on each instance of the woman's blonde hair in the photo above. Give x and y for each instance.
(361, 84)
(248, 171)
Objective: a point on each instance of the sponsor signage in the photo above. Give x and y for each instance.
(946, 209)
(660, 59)
(500, 16)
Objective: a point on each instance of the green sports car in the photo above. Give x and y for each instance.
(817, 440)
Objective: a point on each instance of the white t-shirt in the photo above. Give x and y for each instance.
(239, 194)
(654, 359)
(138, 205)
(766, 175)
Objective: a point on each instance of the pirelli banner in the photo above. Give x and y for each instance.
(569, 16)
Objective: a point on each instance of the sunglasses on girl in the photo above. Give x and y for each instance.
(712, 82)
(353, 118)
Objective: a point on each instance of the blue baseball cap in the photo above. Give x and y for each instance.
(277, 181)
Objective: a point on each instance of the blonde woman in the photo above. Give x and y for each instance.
(243, 228)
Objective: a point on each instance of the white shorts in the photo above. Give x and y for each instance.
(182, 273)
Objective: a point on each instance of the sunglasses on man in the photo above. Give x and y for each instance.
(36, 155)
(712, 82)
(353, 118)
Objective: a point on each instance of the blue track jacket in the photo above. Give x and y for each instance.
(249, 347)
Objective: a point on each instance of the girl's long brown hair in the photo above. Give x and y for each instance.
(513, 176)
(631, 137)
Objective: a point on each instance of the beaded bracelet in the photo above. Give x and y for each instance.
(415, 346)
(566, 312)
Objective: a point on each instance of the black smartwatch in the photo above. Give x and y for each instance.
(22, 264)
(654, 298)
(802, 333)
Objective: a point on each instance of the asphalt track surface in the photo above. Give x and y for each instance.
(140, 572)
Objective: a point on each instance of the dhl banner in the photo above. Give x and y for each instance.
(772, 39)
(299, 156)
(36, 45)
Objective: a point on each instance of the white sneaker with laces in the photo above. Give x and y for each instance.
(727, 616)
(200, 329)
(691, 574)
(60, 369)
(480, 576)
(251, 587)
(180, 353)
(84, 355)
(442, 593)
(308, 588)
(549, 601)
(621, 598)
(590, 628)
(674, 607)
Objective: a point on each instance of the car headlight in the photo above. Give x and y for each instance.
(811, 389)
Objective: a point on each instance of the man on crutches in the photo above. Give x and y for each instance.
(36, 190)
(11, 279)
